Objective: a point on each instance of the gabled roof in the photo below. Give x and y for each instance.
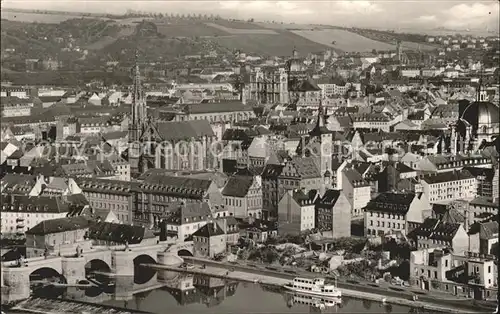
(238, 186)
(118, 233)
(185, 130)
(329, 199)
(60, 225)
(190, 212)
(389, 202)
(211, 229)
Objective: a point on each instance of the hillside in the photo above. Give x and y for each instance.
(171, 36)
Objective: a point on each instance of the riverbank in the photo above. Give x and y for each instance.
(57, 306)
(237, 272)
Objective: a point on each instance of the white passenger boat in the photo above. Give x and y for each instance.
(316, 287)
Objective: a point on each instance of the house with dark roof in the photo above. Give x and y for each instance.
(115, 234)
(185, 219)
(59, 235)
(22, 212)
(300, 173)
(209, 241)
(296, 212)
(333, 214)
(445, 232)
(392, 212)
(483, 238)
(242, 196)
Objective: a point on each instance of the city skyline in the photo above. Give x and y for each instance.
(456, 15)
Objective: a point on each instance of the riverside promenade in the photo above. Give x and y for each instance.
(236, 272)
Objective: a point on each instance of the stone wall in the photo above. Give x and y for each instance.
(73, 269)
(17, 281)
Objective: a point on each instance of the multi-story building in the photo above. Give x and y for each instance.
(483, 238)
(449, 186)
(209, 241)
(441, 163)
(485, 179)
(333, 215)
(20, 213)
(393, 212)
(270, 191)
(357, 191)
(446, 232)
(242, 196)
(16, 107)
(57, 235)
(186, 219)
(118, 197)
(158, 191)
(297, 212)
(482, 208)
(269, 85)
(216, 112)
(466, 275)
(378, 121)
(300, 173)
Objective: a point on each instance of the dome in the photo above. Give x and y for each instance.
(481, 113)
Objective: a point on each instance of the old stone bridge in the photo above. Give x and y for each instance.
(118, 261)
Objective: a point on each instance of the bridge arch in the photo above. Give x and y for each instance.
(184, 252)
(44, 282)
(97, 271)
(143, 274)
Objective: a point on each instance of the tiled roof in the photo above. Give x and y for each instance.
(303, 198)
(185, 130)
(60, 225)
(17, 183)
(235, 135)
(217, 107)
(306, 167)
(42, 204)
(189, 213)
(107, 186)
(329, 199)
(397, 203)
(193, 188)
(272, 171)
(118, 233)
(238, 186)
(211, 229)
(448, 176)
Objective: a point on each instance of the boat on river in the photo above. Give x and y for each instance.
(315, 287)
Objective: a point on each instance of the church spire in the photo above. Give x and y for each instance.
(319, 128)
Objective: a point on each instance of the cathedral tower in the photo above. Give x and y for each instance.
(137, 122)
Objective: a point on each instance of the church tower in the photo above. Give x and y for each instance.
(137, 122)
(322, 136)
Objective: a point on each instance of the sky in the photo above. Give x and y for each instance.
(394, 14)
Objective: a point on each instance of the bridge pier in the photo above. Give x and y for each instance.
(123, 263)
(124, 286)
(73, 269)
(17, 284)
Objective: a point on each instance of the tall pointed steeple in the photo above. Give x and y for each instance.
(320, 127)
(138, 120)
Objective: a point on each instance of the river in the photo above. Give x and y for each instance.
(181, 293)
(187, 294)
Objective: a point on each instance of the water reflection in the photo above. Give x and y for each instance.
(184, 293)
(315, 304)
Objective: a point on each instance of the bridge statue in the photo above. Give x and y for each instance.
(79, 251)
(126, 246)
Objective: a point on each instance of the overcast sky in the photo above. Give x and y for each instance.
(415, 14)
